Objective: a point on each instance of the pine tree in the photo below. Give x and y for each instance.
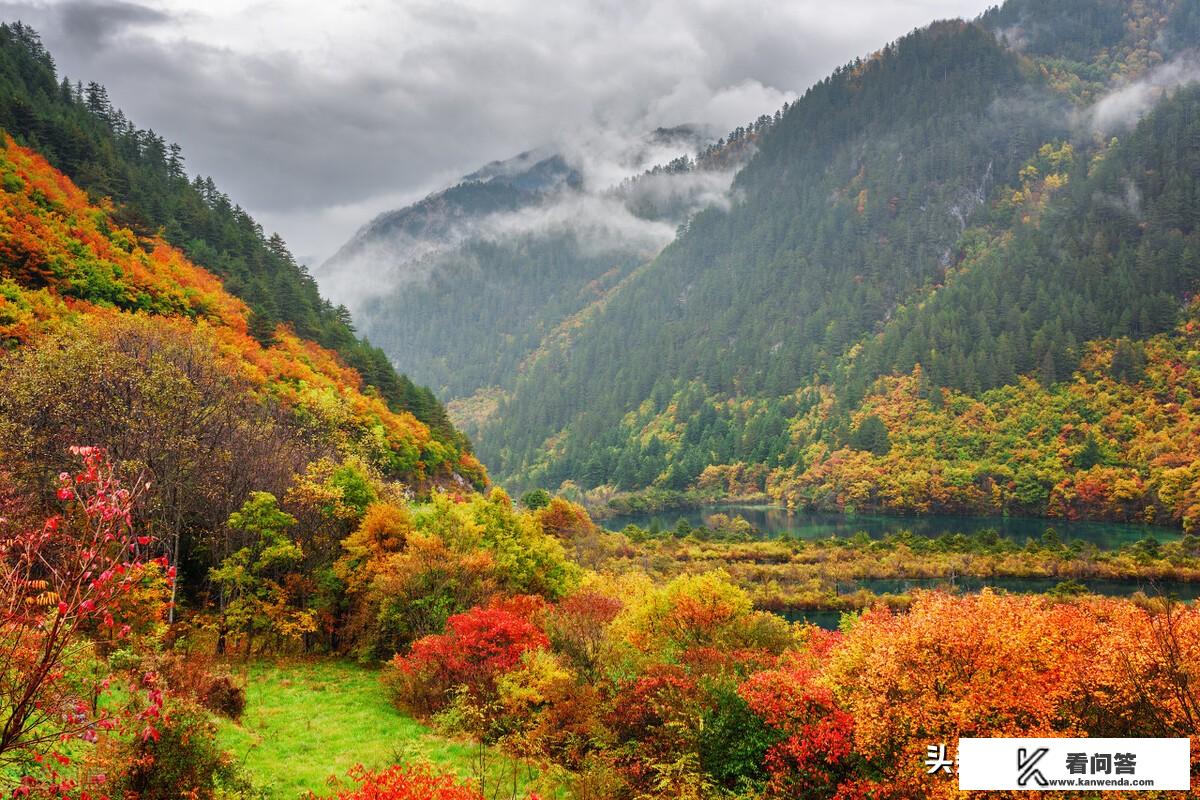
(1047, 373)
(871, 435)
(1091, 454)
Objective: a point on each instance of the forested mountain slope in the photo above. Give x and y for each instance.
(114, 339)
(852, 203)
(80, 132)
(69, 267)
(972, 199)
(468, 283)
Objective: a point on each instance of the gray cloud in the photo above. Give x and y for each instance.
(91, 24)
(1124, 106)
(599, 223)
(316, 117)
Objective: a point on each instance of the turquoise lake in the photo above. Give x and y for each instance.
(774, 521)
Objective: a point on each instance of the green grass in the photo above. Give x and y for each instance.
(309, 720)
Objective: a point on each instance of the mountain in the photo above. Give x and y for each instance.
(113, 338)
(468, 283)
(852, 203)
(147, 314)
(975, 204)
(956, 277)
(81, 133)
(447, 216)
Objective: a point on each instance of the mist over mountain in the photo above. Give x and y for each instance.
(519, 246)
(945, 207)
(729, 454)
(583, 177)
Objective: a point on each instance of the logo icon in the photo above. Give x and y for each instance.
(1027, 766)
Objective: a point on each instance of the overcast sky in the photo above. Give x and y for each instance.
(317, 116)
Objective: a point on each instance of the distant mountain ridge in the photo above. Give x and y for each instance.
(498, 186)
(973, 207)
(518, 247)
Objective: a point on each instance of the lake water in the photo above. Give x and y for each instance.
(1114, 588)
(773, 521)
(1187, 592)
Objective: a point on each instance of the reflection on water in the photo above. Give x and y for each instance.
(829, 620)
(1187, 592)
(774, 521)
(1114, 588)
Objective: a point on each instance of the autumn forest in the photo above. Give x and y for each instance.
(536, 510)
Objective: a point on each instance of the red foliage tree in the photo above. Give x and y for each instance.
(813, 758)
(477, 647)
(655, 718)
(577, 626)
(56, 582)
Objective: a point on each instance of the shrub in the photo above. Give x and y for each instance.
(811, 754)
(543, 711)
(577, 627)
(407, 783)
(414, 593)
(401, 782)
(599, 779)
(477, 647)
(535, 499)
(656, 715)
(181, 759)
(734, 741)
(224, 696)
(58, 581)
(195, 676)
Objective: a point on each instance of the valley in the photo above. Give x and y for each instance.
(659, 460)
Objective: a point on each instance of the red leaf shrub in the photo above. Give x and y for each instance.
(407, 783)
(813, 758)
(656, 718)
(577, 626)
(72, 574)
(477, 647)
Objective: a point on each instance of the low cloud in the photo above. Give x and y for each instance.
(301, 111)
(91, 24)
(675, 196)
(635, 218)
(1123, 107)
